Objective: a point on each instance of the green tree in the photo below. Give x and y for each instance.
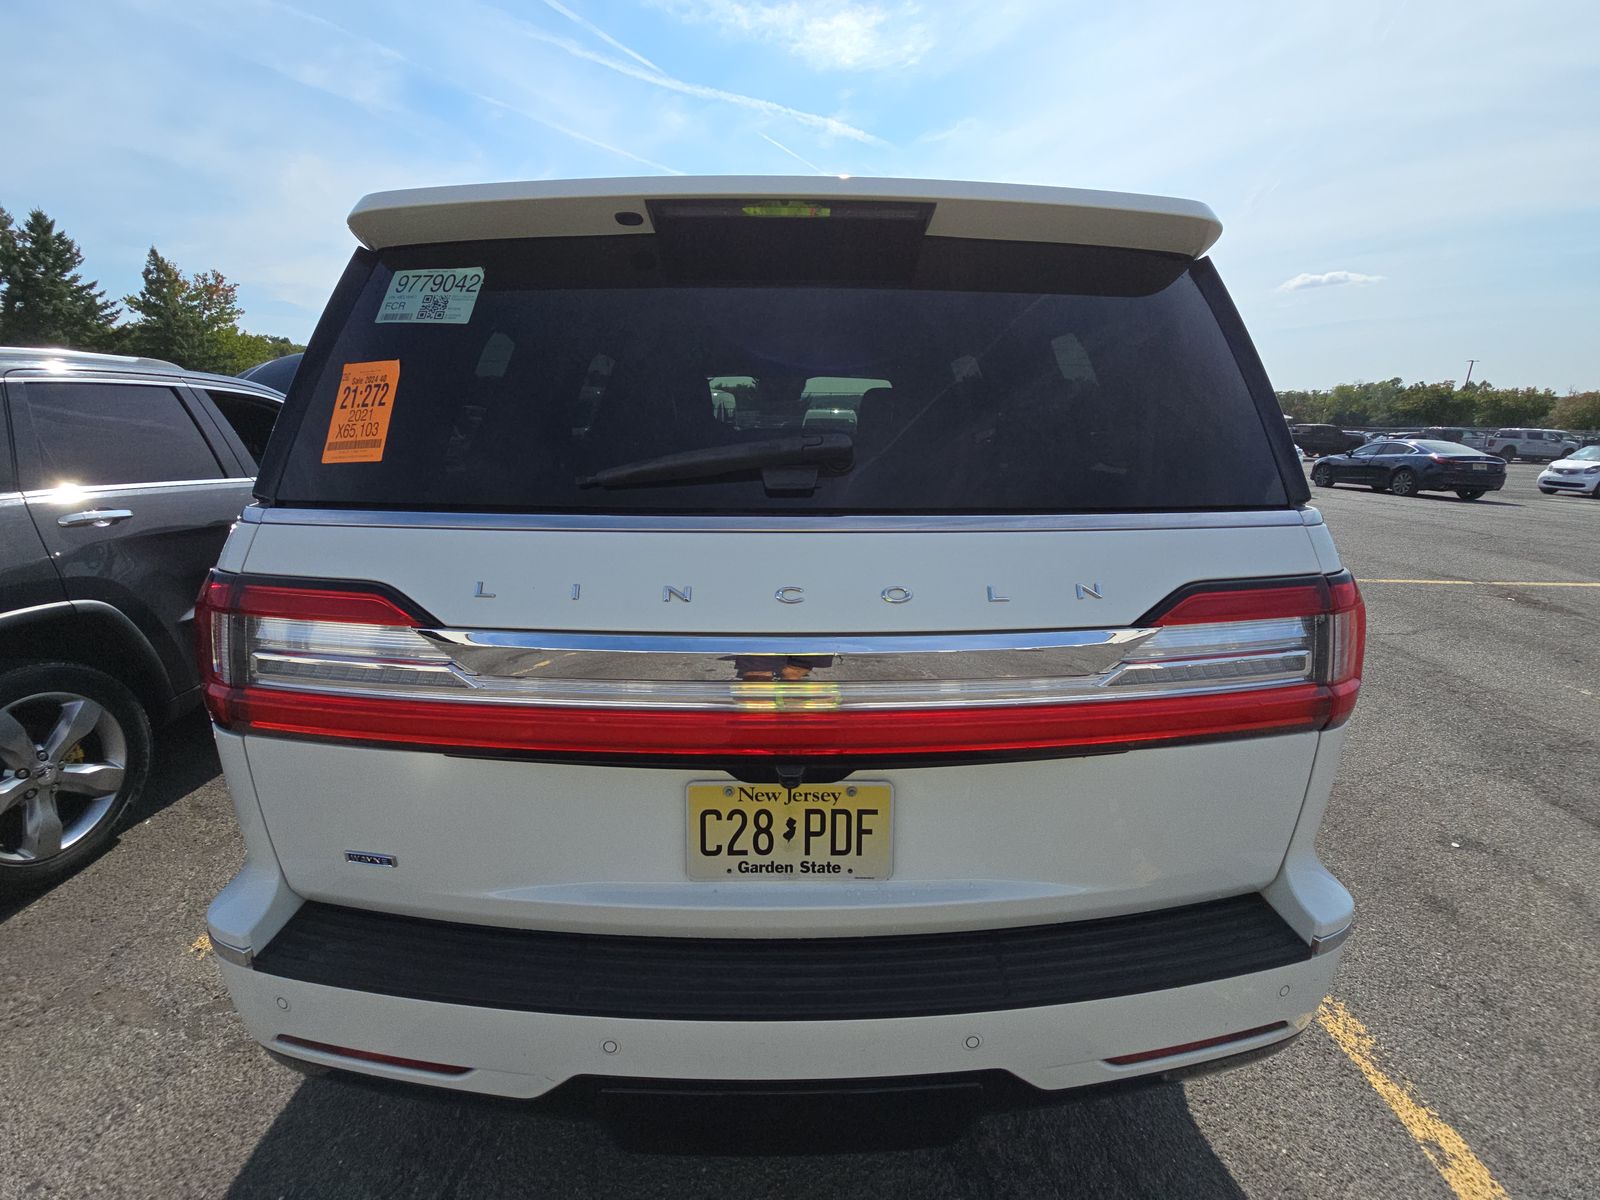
(1512, 406)
(1434, 404)
(237, 350)
(1578, 410)
(46, 301)
(192, 321)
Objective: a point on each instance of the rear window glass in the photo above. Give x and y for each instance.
(1017, 379)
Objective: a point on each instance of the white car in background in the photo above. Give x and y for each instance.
(1533, 445)
(1577, 474)
(580, 737)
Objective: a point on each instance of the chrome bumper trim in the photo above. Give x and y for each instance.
(1331, 942)
(237, 955)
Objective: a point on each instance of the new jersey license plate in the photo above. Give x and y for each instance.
(838, 831)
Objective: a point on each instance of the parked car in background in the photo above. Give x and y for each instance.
(1317, 440)
(118, 484)
(1535, 445)
(276, 373)
(1578, 474)
(1408, 467)
(1473, 439)
(613, 740)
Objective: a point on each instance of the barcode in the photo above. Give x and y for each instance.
(366, 444)
(433, 308)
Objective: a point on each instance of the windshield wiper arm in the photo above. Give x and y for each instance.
(829, 451)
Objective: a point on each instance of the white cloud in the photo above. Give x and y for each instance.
(824, 34)
(797, 157)
(1326, 279)
(585, 23)
(824, 124)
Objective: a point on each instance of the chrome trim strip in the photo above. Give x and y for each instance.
(1331, 942)
(173, 376)
(794, 673)
(74, 493)
(75, 374)
(239, 956)
(461, 644)
(887, 523)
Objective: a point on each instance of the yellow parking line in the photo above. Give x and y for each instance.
(1468, 1178)
(1487, 582)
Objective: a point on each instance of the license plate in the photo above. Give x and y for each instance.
(837, 831)
(1480, 466)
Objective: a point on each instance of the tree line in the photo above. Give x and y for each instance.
(192, 320)
(1390, 402)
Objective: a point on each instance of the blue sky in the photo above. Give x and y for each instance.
(1403, 186)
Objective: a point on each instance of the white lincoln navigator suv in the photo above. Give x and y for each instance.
(732, 633)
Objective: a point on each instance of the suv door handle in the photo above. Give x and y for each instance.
(98, 517)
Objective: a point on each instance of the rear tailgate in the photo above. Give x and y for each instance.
(583, 554)
(600, 845)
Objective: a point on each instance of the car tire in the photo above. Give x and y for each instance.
(1509, 453)
(56, 716)
(1322, 475)
(1469, 493)
(1403, 482)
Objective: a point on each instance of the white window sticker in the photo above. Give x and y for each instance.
(443, 296)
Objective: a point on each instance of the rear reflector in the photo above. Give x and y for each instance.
(1126, 1060)
(341, 662)
(388, 1060)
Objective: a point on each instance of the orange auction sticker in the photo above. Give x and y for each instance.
(360, 423)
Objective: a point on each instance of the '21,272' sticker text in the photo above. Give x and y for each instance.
(361, 411)
(437, 297)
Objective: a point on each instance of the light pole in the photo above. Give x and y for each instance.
(1471, 362)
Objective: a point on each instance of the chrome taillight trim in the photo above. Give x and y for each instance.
(781, 673)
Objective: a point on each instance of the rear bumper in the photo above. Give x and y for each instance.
(1450, 480)
(628, 1025)
(528, 1054)
(1048, 1040)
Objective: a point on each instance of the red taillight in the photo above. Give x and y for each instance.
(1345, 646)
(558, 730)
(1205, 606)
(345, 663)
(245, 598)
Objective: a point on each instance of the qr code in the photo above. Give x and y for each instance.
(432, 308)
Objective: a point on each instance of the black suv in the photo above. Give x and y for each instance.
(1317, 440)
(119, 480)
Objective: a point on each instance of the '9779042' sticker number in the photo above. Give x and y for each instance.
(443, 296)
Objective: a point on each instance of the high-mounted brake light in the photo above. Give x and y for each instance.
(347, 662)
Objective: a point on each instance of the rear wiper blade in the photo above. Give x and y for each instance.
(829, 451)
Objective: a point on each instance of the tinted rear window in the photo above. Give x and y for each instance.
(982, 378)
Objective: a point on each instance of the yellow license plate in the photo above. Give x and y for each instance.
(837, 831)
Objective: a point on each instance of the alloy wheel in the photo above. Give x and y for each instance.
(63, 760)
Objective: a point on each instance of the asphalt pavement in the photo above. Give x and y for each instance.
(1459, 1055)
